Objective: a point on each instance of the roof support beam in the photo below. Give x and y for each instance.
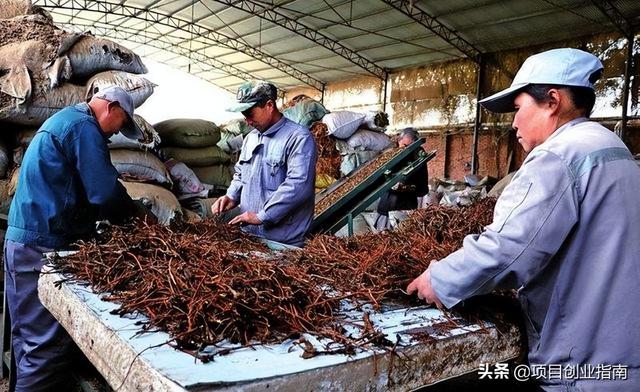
(432, 24)
(623, 25)
(277, 17)
(185, 26)
(478, 119)
(628, 70)
(615, 16)
(162, 44)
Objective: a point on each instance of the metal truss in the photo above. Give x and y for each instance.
(615, 16)
(408, 8)
(273, 15)
(175, 23)
(163, 44)
(350, 24)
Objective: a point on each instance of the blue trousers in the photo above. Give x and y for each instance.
(40, 344)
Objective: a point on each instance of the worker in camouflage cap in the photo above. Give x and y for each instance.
(274, 179)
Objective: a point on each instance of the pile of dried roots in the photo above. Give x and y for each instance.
(328, 156)
(376, 266)
(208, 281)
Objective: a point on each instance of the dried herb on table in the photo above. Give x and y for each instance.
(209, 281)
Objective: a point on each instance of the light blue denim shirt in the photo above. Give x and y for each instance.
(565, 232)
(275, 177)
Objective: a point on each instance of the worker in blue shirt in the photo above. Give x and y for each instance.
(564, 233)
(66, 184)
(275, 175)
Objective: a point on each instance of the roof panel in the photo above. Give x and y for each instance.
(372, 30)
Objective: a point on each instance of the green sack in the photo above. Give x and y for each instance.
(204, 156)
(185, 132)
(217, 175)
(237, 127)
(305, 112)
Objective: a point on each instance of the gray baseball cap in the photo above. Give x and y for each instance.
(118, 94)
(564, 67)
(253, 93)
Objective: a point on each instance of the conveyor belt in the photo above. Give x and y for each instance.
(340, 203)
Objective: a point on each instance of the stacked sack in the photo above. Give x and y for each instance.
(308, 112)
(143, 174)
(44, 69)
(232, 134)
(198, 158)
(304, 110)
(360, 136)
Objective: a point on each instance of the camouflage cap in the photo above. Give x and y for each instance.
(253, 93)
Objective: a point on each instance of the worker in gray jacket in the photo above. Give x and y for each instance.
(565, 233)
(274, 178)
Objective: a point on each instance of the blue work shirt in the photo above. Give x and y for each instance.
(565, 233)
(66, 182)
(275, 178)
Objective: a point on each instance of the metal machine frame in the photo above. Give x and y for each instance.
(360, 197)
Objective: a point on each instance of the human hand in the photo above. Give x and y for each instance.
(422, 284)
(248, 217)
(224, 203)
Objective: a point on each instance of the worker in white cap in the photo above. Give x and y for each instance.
(66, 184)
(565, 233)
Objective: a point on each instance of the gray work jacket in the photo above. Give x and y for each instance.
(566, 232)
(275, 178)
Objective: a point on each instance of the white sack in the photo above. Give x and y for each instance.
(164, 204)
(150, 139)
(343, 124)
(139, 87)
(140, 166)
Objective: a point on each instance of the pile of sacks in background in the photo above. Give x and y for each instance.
(44, 69)
(180, 171)
(195, 143)
(463, 193)
(360, 136)
(345, 139)
(200, 157)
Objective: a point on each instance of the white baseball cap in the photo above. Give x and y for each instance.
(564, 67)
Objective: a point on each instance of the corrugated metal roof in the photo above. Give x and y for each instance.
(310, 42)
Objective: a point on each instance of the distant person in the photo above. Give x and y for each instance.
(395, 204)
(66, 184)
(565, 232)
(274, 178)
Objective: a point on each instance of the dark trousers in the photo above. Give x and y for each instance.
(40, 344)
